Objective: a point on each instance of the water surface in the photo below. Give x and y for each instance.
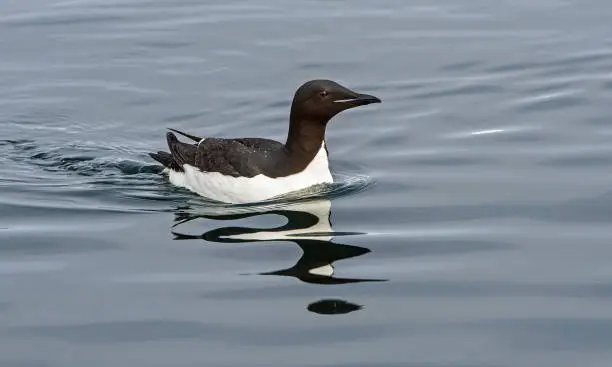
(470, 225)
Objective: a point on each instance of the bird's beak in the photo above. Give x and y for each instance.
(359, 99)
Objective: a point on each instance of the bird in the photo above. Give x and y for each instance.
(248, 170)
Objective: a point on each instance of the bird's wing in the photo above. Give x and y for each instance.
(232, 157)
(245, 157)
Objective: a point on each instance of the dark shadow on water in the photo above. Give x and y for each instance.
(333, 307)
(308, 225)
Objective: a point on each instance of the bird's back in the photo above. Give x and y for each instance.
(243, 169)
(244, 157)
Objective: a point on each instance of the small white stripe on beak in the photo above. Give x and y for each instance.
(346, 100)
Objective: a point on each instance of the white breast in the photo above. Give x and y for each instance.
(216, 186)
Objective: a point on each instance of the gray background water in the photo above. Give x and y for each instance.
(487, 218)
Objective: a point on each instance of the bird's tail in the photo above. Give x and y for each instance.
(162, 157)
(165, 159)
(179, 152)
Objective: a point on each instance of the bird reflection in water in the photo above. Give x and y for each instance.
(308, 226)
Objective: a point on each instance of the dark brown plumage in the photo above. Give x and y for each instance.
(314, 104)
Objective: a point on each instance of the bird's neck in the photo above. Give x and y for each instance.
(305, 137)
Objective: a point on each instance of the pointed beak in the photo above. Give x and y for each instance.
(364, 99)
(359, 100)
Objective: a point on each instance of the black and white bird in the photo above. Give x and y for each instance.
(243, 170)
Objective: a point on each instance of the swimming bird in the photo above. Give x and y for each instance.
(243, 170)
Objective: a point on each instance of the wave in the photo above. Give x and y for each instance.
(122, 170)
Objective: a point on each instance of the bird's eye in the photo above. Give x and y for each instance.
(323, 93)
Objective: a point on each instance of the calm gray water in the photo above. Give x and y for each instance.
(470, 225)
